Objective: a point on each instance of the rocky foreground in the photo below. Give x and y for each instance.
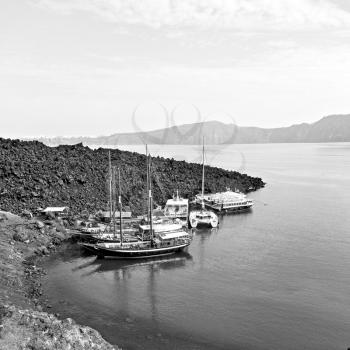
(33, 175)
(23, 325)
(28, 329)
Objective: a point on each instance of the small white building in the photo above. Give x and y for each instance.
(56, 211)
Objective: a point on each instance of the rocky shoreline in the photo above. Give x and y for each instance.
(23, 324)
(33, 175)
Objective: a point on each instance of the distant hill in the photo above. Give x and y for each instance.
(333, 128)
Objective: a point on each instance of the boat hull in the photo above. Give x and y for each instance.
(203, 225)
(91, 247)
(197, 221)
(139, 253)
(233, 209)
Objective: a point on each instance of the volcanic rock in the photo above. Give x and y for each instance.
(33, 175)
(28, 329)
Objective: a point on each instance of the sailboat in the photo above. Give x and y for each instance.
(109, 234)
(203, 217)
(157, 240)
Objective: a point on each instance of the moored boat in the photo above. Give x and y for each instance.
(165, 243)
(156, 240)
(203, 217)
(176, 209)
(228, 201)
(92, 227)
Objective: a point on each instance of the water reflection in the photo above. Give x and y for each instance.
(202, 236)
(123, 271)
(204, 233)
(123, 268)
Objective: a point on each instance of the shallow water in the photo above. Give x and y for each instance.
(275, 278)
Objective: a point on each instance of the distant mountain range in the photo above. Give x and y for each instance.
(333, 128)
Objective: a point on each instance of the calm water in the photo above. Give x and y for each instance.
(275, 278)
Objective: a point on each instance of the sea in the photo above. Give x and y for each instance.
(277, 277)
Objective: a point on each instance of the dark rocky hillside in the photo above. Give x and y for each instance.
(33, 175)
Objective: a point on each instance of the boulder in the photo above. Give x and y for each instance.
(26, 213)
(21, 235)
(39, 224)
(10, 217)
(59, 235)
(44, 250)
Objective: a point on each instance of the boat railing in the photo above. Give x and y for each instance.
(176, 214)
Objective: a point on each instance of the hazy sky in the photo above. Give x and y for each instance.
(86, 67)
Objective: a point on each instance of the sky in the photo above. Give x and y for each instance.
(97, 67)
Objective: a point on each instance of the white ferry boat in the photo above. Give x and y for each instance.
(177, 209)
(233, 201)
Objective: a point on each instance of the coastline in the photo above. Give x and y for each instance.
(23, 323)
(34, 176)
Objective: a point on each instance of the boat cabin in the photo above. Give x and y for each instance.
(203, 216)
(166, 239)
(157, 228)
(106, 215)
(92, 227)
(176, 208)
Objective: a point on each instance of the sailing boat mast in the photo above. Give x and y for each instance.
(203, 178)
(114, 199)
(120, 209)
(110, 185)
(150, 202)
(147, 181)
